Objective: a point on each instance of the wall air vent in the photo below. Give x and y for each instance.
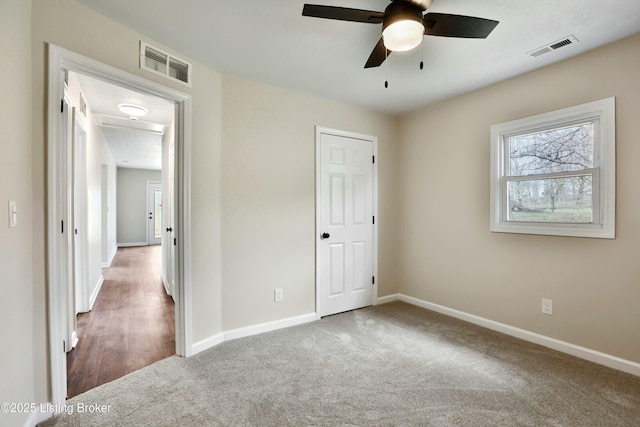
(553, 46)
(159, 62)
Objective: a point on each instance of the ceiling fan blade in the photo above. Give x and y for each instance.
(342, 13)
(378, 55)
(445, 25)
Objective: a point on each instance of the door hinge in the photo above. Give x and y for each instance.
(64, 346)
(373, 280)
(62, 226)
(373, 158)
(174, 241)
(374, 219)
(62, 105)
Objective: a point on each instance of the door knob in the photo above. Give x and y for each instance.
(325, 235)
(170, 229)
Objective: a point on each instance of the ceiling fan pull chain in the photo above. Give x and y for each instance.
(421, 55)
(386, 70)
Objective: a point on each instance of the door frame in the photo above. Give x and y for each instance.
(320, 130)
(60, 59)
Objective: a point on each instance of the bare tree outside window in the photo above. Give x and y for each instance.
(555, 181)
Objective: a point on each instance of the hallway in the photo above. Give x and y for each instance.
(131, 325)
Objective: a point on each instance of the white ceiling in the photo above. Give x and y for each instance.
(130, 148)
(271, 42)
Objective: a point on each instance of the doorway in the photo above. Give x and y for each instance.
(60, 257)
(346, 210)
(128, 305)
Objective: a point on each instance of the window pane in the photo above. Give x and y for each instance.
(566, 200)
(566, 149)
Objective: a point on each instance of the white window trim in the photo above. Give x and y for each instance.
(604, 160)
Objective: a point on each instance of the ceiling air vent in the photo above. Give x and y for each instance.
(159, 62)
(553, 46)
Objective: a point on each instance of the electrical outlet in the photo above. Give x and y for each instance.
(547, 306)
(278, 295)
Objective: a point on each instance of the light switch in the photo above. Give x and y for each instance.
(13, 214)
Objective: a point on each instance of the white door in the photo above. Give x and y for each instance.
(66, 265)
(171, 271)
(345, 222)
(154, 213)
(80, 226)
(168, 247)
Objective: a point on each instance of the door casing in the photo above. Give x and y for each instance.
(319, 130)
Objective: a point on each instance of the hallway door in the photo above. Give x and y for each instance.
(154, 213)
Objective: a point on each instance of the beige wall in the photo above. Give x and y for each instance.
(17, 310)
(206, 207)
(269, 197)
(449, 257)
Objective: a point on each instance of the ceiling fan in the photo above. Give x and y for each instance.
(404, 25)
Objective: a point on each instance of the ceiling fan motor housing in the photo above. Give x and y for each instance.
(401, 11)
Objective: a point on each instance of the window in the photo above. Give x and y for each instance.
(554, 173)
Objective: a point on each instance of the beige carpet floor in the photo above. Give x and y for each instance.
(388, 365)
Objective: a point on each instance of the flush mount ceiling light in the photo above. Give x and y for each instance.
(402, 29)
(133, 110)
(130, 122)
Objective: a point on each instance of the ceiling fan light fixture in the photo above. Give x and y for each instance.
(404, 25)
(403, 35)
(402, 28)
(133, 110)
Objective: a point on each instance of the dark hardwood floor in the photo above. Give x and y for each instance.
(130, 326)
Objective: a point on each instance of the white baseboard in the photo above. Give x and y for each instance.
(96, 291)
(251, 330)
(74, 341)
(555, 344)
(129, 245)
(165, 284)
(43, 413)
(111, 257)
(269, 326)
(388, 298)
(207, 343)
